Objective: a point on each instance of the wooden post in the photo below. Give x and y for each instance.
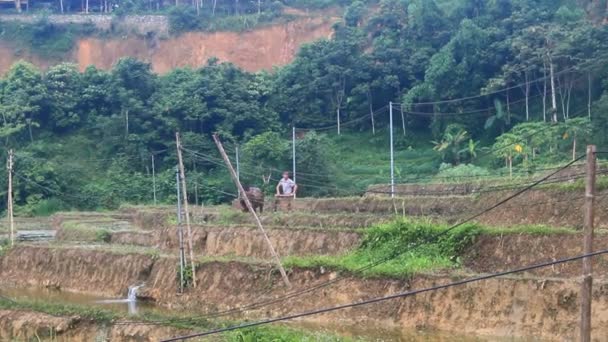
(185, 204)
(11, 221)
(251, 210)
(587, 285)
(153, 179)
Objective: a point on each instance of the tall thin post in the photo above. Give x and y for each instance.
(153, 179)
(293, 152)
(402, 118)
(11, 221)
(251, 210)
(186, 211)
(180, 233)
(587, 285)
(338, 119)
(390, 110)
(553, 94)
(238, 167)
(589, 94)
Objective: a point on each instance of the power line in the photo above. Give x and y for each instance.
(575, 67)
(489, 188)
(313, 183)
(334, 126)
(262, 304)
(388, 258)
(390, 297)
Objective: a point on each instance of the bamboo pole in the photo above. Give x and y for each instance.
(185, 204)
(251, 210)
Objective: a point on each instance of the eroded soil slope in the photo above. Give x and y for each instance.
(36, 326)
(510, 306)
(252, 50)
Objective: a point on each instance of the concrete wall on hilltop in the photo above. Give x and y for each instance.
(139, 24)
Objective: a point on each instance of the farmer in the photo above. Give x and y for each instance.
(286, 188)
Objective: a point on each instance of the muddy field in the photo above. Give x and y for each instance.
(519, 306)
(103, 254)
(246, 241)
(36, 326)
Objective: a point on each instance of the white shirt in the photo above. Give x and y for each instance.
(287, 185)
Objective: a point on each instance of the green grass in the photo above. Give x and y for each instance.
(44, 38)
(535, 229)
(56, 309)
(228, 215)
(5, 245)
(242, 23)
(365, 160)
(79, 231)
(193, 323)
(280, 334)
(601, 183)
(411, 246)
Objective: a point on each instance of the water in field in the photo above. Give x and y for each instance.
(130, 305)
(126, 305)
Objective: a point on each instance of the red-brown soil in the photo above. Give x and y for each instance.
(518, 306)
(257, 49)
(37, 326)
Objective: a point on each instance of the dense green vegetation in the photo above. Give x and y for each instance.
(42, 37)
(482, 88)
(406, 246)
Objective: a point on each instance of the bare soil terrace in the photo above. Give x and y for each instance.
(234, 271)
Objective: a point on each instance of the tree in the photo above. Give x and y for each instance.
(134, 84)
(506, 147)
(64, 87)
(23, 100)
(267, 153)
(450, 146)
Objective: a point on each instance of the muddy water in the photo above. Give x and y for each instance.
(358, 332)
(120, 305)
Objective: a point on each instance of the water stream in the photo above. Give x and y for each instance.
(131, 300)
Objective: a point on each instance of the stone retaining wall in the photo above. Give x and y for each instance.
(140, 24)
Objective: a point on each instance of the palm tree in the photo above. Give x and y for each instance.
(453, 137)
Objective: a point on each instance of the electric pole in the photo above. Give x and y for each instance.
(587, 285)
(11, 221)
(180, 234)
(251, 209)
(185, 204)
(153, 179)
(390, 110)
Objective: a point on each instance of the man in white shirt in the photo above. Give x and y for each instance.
(286, 186)
(286, 191)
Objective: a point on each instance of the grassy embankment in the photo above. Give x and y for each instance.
(108, 317)
(405, 247)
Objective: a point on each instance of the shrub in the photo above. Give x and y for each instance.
(103, 236)
(182, 19)
(462, 172)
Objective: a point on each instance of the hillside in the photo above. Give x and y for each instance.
(441, 151)
(261, 48)
(498, 91)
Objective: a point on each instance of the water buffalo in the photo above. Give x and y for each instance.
(256, 197)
